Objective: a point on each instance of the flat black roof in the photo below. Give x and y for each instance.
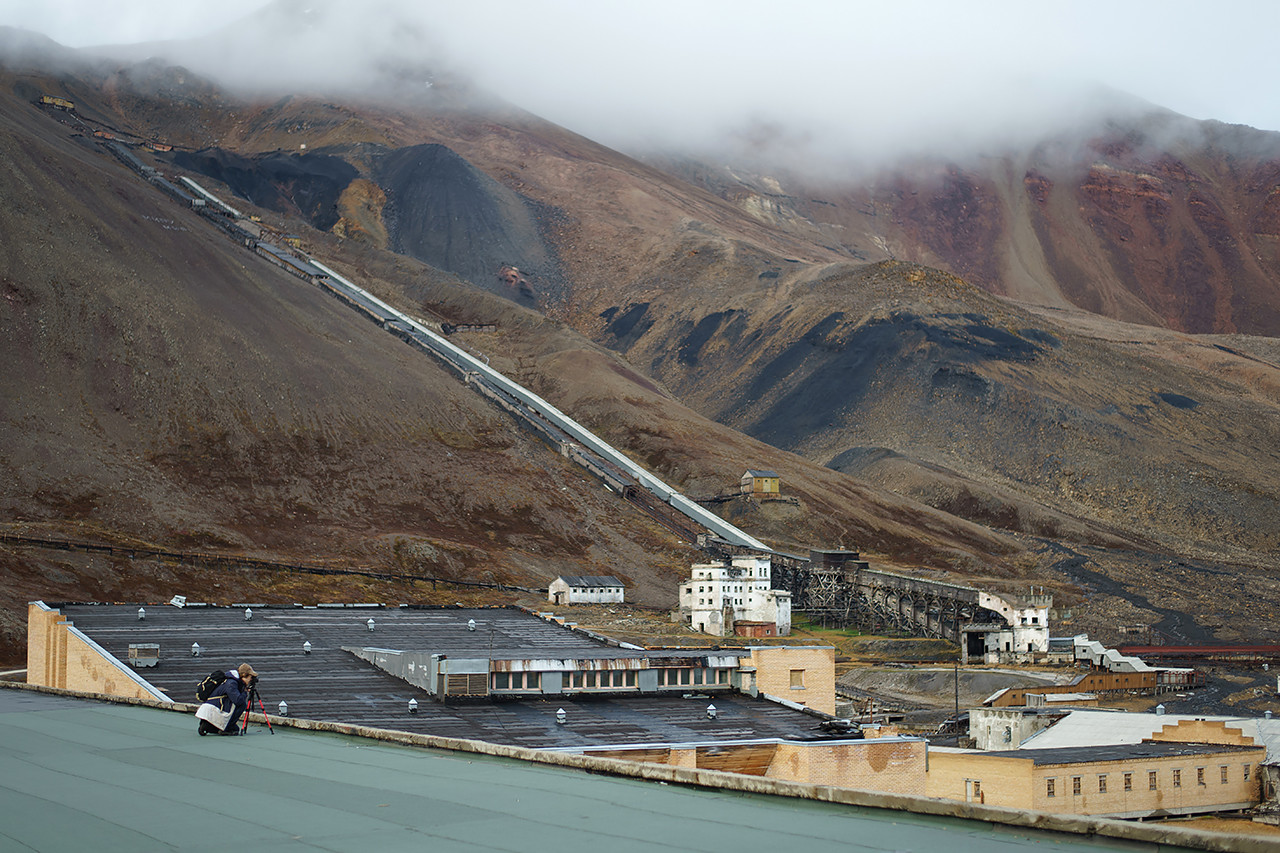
(1119, 752)
(334, 685)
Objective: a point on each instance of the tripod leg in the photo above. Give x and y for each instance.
(264, 714)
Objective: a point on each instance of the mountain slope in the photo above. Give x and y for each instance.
(1022, 445)
(1148, 217)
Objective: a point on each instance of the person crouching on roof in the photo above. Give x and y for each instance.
(221, 711)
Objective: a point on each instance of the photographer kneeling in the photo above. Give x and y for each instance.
(221, 711)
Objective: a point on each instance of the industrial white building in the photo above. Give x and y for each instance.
(1022, 629)
(735, 598)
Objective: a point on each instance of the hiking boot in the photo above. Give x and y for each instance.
(207, 728)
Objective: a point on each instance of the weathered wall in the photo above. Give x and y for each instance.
(774, 665)
(892, 765)
(1003, 781)
(889, 765)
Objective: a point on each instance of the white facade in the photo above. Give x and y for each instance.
(1006, 728)
(717, 595)
(1025, 629)
(584, 589)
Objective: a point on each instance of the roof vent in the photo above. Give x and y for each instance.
(561, 716)
(284, 708)
(1160, 710)
(248, 613)
(1267, 715)
(711, 712)
(142, 613)
(413, 706)
(370, 623)
(471, 624)
(306, 647)
(195, 650)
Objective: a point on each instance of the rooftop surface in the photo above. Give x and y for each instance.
(334, 685)
(1100, 728)
(83, 775)
(1116, 752)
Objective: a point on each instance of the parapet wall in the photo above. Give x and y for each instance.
(59, 655)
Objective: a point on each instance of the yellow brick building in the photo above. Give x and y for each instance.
(805, 675)
(1169, 776)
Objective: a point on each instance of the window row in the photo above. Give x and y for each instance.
(611, 679)
(516, 681)
(1153, 780)
(685, 676)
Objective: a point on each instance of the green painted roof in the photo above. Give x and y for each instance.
(79, 775)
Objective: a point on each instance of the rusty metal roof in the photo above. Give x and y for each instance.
(335, 685)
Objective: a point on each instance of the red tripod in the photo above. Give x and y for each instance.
(248, 708)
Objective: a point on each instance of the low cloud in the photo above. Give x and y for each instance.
(806, 79)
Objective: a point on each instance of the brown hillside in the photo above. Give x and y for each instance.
(173, 388)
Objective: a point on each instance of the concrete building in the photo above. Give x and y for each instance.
(586, 589)
(719, 595)
(1023, 629)
(999, 728)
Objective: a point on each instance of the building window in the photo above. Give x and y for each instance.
(697, 675)
(797, 679)
(1049, 786)
(1177, 778)
(630, 680)
(1075, 785)
(1102, 783)
(1222, 773)
(1151, 780)
(977, 790)
(1128, 781)
(685, 676)
(1199, 775)
(722, 677)
(501, 680)
(1246, 772)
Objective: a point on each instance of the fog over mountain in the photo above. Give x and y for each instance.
(793, 82)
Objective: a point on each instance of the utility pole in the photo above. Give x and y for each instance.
(957, 683)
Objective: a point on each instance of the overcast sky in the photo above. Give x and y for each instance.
(867, 74)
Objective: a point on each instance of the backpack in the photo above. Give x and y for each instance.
(204, 689)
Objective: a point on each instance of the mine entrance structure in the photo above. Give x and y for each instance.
(837, 587)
